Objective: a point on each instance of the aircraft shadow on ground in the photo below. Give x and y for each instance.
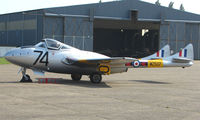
(151, 82)
(9, 82)
(82, 83)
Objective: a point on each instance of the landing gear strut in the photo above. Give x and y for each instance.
(76, 77)
(95, 78)
(25, 77)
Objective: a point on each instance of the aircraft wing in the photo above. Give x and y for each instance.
(103, 65)
(110, 61)
(113, 60)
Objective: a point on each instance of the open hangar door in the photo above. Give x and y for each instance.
(125, 37)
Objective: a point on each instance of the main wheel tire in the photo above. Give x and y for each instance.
(76, 77)
(95, 78)
(26, 79)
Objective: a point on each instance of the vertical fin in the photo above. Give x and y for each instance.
(162, 53)
(157, 55)
(186, 52)
(180, 53)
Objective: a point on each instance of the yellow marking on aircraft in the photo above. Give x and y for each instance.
(105, 68)
(83, 61)
(155, 63)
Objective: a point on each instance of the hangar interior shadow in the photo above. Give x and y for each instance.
(125, 38)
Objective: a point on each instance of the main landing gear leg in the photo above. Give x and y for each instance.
(25, 77)
(76, 77)
(95, 78)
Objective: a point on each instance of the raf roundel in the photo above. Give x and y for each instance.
(136, 64)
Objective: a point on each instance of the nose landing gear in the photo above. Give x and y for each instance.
(25, 77)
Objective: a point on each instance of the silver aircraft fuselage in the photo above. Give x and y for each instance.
(57, 61)
(54, 56)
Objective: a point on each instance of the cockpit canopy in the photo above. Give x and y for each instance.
(53, 44)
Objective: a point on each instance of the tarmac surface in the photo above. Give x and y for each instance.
(139, 94)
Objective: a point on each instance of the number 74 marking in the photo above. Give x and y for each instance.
(41, 60)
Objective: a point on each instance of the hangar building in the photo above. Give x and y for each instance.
(119, 28)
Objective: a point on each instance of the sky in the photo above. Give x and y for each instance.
(9, 6)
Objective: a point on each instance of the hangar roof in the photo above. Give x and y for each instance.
(121, 10)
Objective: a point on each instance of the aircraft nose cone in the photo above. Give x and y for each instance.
(15, 56)
(8, 56)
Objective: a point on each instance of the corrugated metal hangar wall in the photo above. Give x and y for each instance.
(19, 29)
(179, 34)
(28, 28)
(73, 31)
(117, 26)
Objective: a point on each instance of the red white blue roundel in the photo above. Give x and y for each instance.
(136, 64)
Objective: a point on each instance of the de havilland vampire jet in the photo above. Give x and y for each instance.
(53, 56)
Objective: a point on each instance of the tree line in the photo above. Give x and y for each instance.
(171, 5)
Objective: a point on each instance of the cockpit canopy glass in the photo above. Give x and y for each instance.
(55, 45)
(52, 44)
